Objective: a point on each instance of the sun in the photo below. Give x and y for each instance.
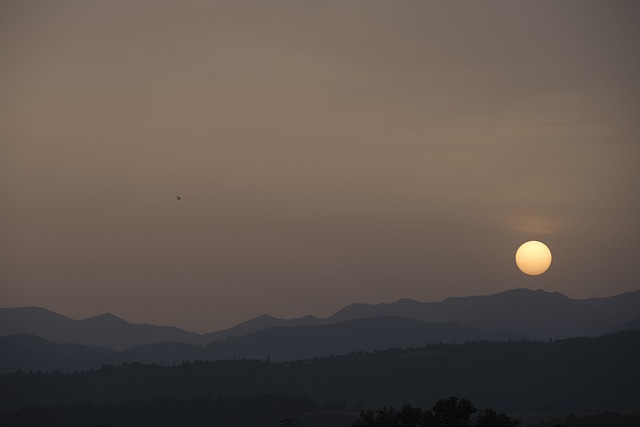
(533, 258)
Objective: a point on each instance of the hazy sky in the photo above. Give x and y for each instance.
(326, 152)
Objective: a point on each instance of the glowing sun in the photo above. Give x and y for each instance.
(533, 258)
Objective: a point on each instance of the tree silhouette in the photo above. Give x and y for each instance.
(453, 412)
(490, 418)
(449, 412)
(288, 422)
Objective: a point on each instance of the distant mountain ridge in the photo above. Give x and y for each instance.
(263, 321)
(377, 333)
(279, 343)
(105, 330)
(535, 314)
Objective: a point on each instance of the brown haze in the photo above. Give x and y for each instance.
(326, 152)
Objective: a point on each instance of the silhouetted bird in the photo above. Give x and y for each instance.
(178, 198)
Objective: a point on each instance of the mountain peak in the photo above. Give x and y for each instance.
(406, 301)
(264, 316)
(32, 310)
(105, 319)
(526, 292)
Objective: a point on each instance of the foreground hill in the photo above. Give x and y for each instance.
(28, 352)
(574, 375)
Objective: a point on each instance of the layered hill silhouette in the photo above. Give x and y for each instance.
(257, 323)
(31, 353)
(536, 315)
(572, 375)
(105, 330)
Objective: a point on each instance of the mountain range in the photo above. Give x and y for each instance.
(105, 330)
(282, 343)
(33, 336)
(536, 314)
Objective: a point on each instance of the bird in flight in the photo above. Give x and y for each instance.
(178, 198)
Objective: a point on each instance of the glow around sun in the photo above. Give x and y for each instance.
(533, 258)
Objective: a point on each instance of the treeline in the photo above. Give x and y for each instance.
(574, 375)
(605, 419)
(249, 411)
(455, 412)
(449, 412)
(284, 411)
(258, 411)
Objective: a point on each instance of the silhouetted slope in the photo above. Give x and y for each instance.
(619, 308)
(258, 323)
(105, 330)
(574, 375)
(109, 331)
(633, 326)
(279, 344)
(536, 314)
(29, 352)
(165, 353)
(112, 332)
(447, 310)
(290, 343)
(36, 321)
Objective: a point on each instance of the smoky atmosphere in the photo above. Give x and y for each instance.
(305, 213)
(197, 164)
